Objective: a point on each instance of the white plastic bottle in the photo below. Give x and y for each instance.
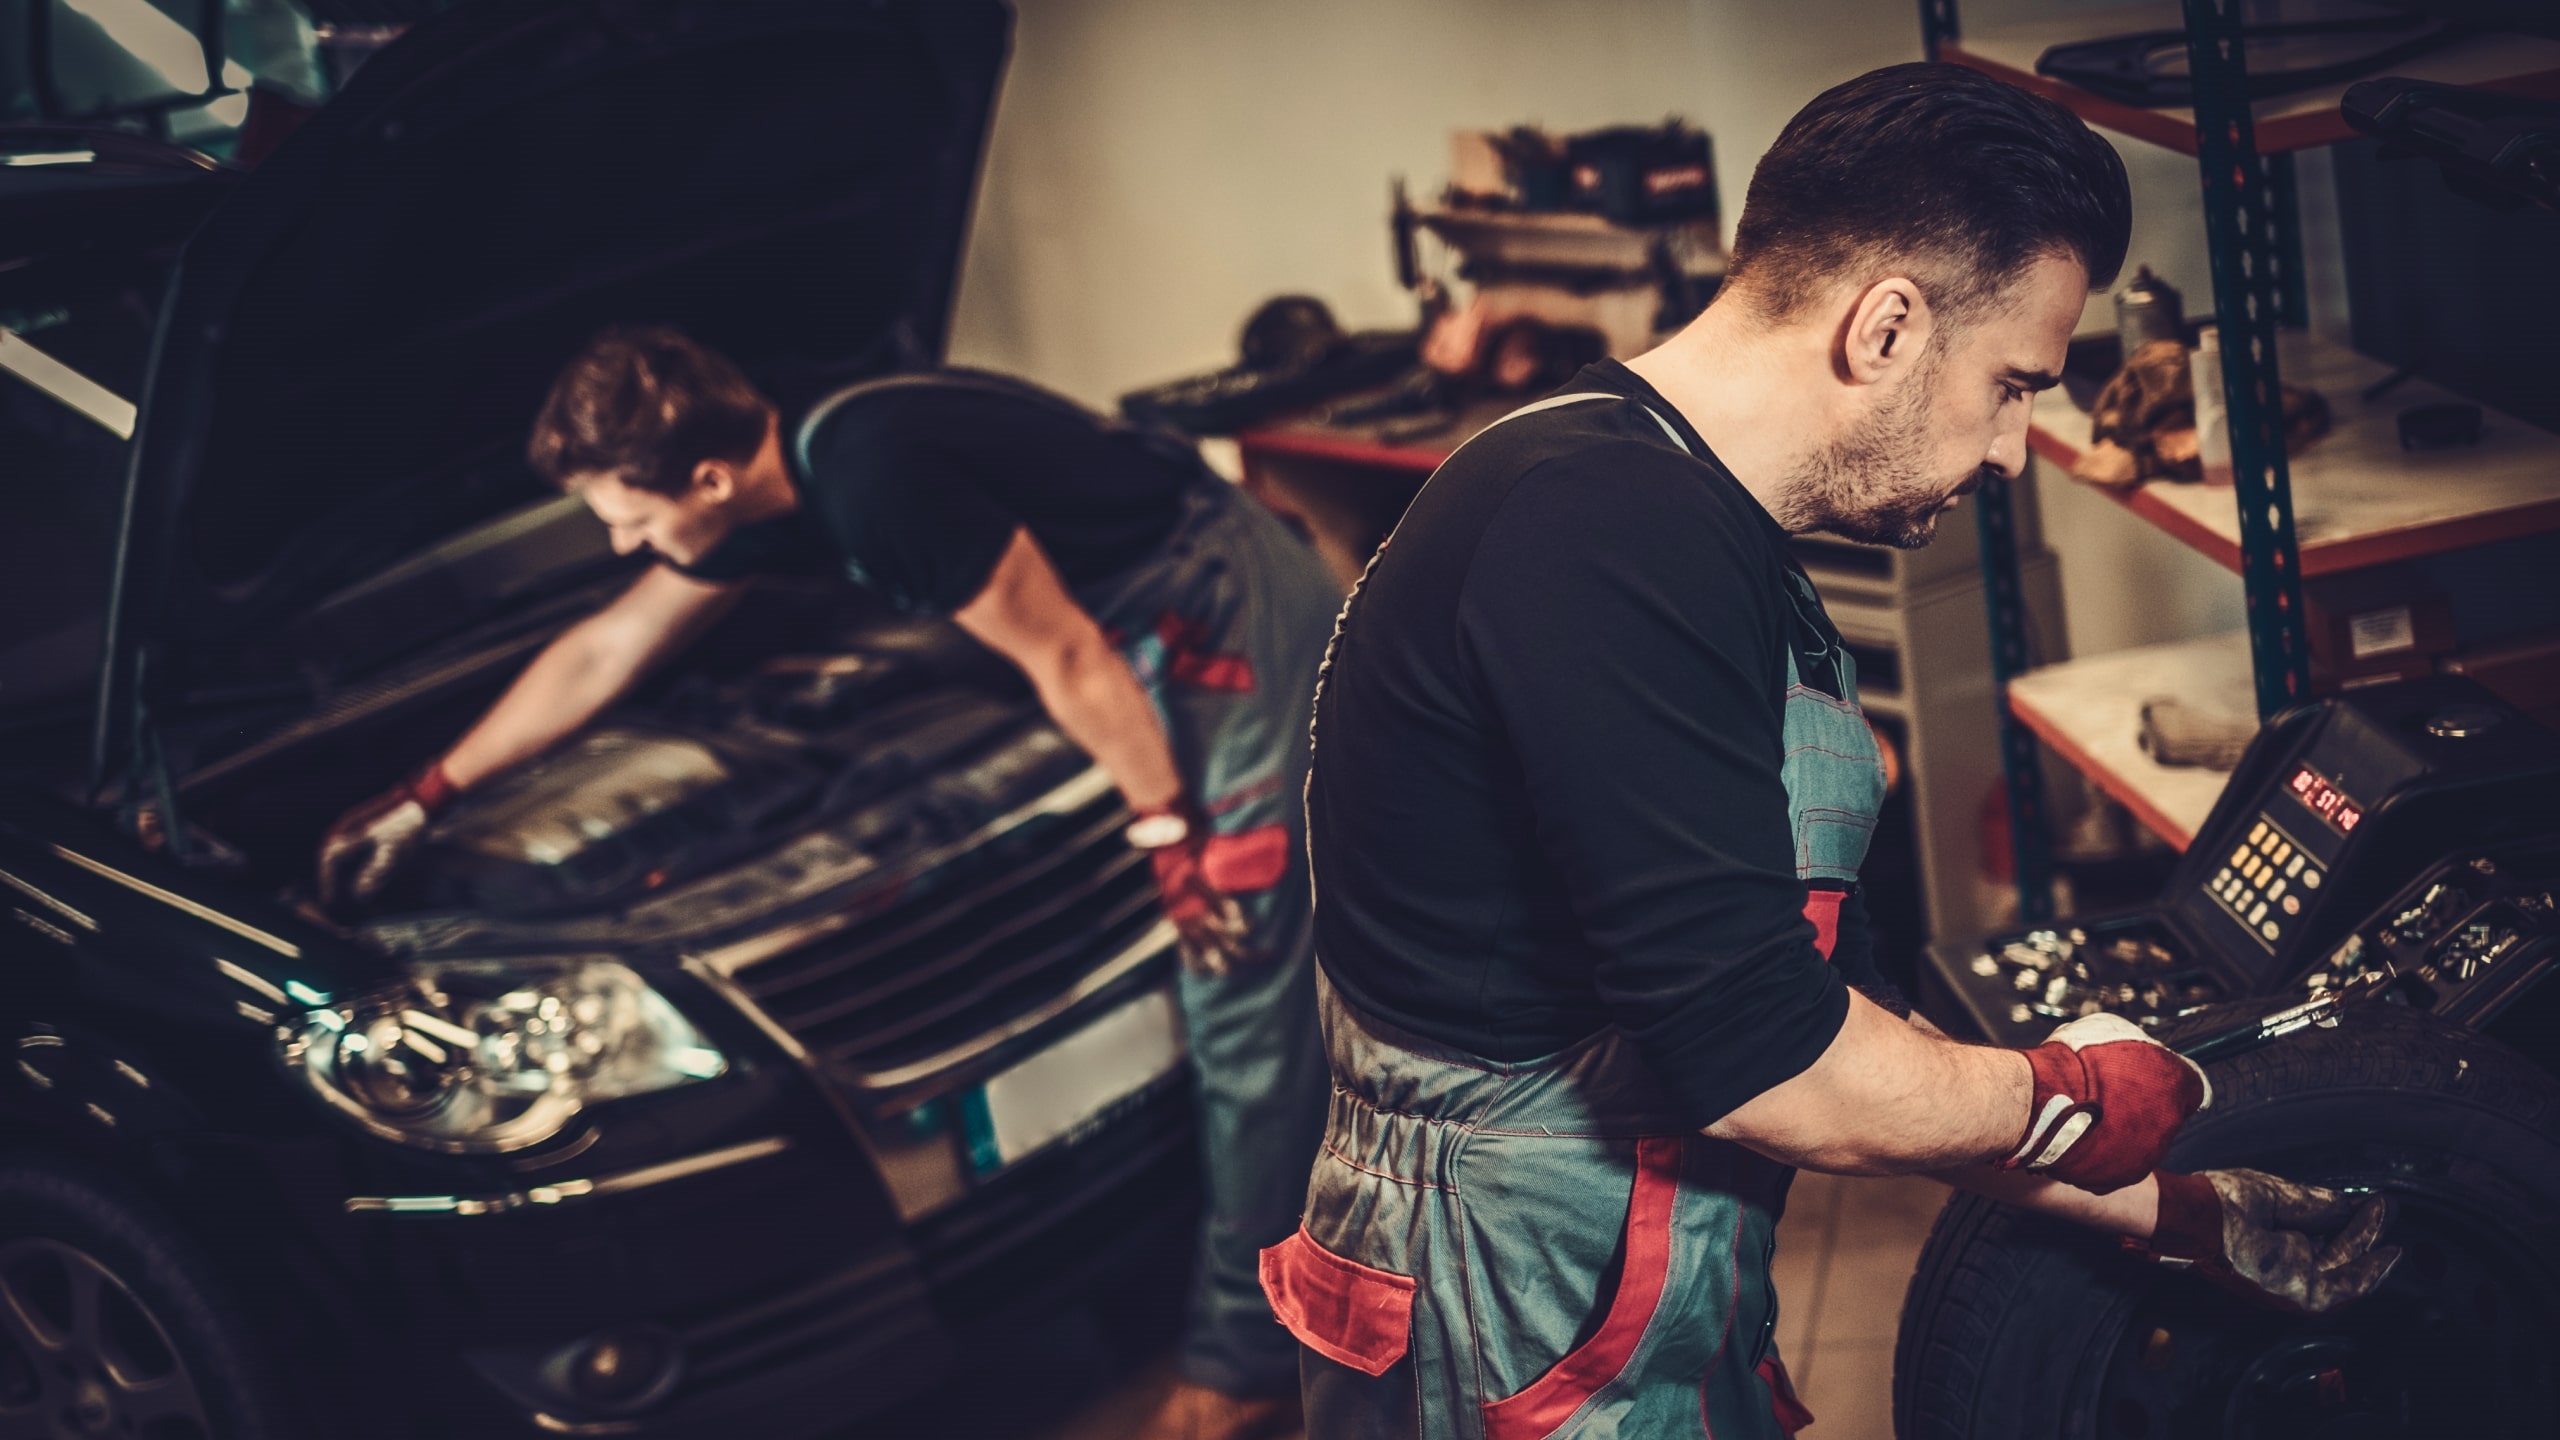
(2213, 418)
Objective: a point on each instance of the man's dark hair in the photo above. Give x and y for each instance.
(646, 404)
(1933, 171)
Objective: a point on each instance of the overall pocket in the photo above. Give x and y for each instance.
(1552, 1401)
(1347, 1312)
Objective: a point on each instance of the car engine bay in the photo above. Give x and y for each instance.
(807, 704)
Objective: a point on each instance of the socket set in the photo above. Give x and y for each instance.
(2039, 979)
(2463, 939)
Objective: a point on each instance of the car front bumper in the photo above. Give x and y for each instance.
(793, 1303)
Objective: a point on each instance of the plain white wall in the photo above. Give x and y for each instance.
(1159, 167)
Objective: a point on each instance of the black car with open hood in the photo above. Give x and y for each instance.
(357, 339)
(717, 1073)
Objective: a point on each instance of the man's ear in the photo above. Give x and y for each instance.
(1887, 331)
(715, 481)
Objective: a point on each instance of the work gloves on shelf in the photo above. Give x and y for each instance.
(369, 842)
(2295, 1248)
(2108, 1099)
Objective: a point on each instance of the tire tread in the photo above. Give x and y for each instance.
(1977, 1269)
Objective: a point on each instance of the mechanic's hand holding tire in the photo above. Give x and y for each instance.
(111, 1322)
(2021, 1326)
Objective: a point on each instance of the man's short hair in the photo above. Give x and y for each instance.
(1932, 171)
(646, 404)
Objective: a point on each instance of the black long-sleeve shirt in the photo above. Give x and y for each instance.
(914, 486)
(1546, 791)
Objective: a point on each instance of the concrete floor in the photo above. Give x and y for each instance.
(1845, 1252)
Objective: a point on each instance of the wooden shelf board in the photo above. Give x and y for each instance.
(2358, 499)
(1312, 439)
(2090, 712)
(1312, 443)
(1579, 240)
(2520, 64)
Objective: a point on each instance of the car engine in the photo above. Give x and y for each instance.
(709, 773)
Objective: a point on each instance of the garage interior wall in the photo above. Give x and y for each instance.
(1159, 167)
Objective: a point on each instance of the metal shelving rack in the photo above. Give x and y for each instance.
(2253, 237)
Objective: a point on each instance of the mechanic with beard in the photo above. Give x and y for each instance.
(1589, 797)
(1170, 626)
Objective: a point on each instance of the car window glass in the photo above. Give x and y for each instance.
(60, 487)
(179, 69)
(125, 57)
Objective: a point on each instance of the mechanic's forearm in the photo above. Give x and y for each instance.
(1889, 1099)
(586, 668)
(571, 682)
(1090, 691)
(2129, 1211)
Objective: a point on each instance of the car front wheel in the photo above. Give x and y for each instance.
(111, 1325)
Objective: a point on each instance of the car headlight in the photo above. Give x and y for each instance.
(488, 1055)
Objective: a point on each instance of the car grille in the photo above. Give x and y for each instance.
(933, 963)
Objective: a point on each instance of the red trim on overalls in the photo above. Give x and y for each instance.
(1544, 1407)
(1790, 1411)
(1246, 861)
(1187, 658)
(1822, 907)
(1347, 1312)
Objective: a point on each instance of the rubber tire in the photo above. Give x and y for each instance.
(2011, 1319)
(166, 1272)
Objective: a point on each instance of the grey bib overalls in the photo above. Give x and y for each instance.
(1542, 1248)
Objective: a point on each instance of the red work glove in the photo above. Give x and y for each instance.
(2258, 1236)
(370, 841)
(2108, 1098)
(1211, 925)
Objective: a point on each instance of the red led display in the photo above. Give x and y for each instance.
(2325, 800)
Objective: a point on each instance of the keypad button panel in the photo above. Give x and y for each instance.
(2263, 886)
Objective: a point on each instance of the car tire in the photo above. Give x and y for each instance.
(112, 1323)
(2019, 1325)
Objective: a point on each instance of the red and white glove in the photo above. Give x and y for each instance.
(369, 842)
(2108, 1099)
(2259, 1236)
(1211, 925)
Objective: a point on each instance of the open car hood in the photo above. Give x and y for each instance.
(358, 338)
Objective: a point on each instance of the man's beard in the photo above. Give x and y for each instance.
(1862, 487)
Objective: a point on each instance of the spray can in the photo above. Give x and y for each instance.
(2148, 308)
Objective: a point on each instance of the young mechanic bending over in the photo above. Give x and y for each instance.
(1044, 531)
(1589, 798)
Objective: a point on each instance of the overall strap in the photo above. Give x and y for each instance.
(1673, 435)
(1552, 401)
